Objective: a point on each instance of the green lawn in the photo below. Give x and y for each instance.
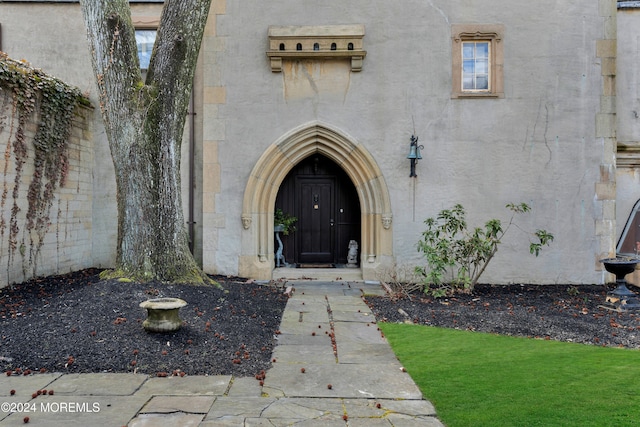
(476, 379)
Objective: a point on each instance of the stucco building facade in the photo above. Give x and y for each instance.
(310, 107)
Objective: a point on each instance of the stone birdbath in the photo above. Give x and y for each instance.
(162, 314)
(621, 298)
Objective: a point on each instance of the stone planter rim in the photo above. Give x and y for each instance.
(164, 303)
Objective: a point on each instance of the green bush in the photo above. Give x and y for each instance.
(285, 220)
(457, 257)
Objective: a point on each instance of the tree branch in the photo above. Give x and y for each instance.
(114, 55)
(173, 61)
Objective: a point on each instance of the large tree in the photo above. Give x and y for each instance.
(144, 121)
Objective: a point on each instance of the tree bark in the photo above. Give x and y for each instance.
(144, 124)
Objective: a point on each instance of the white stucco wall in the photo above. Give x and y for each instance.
(537, 145)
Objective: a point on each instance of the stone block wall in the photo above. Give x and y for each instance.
(605, 127)
(211, 130)
(67, 243)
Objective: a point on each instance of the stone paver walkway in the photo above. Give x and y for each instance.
(332, 368)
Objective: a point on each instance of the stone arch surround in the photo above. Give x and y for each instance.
(257, 258)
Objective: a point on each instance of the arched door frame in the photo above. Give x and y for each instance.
(257, 259)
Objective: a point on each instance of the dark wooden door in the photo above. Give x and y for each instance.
(316, 224)
(323, 198)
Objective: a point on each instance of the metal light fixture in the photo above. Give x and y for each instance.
(414, 154)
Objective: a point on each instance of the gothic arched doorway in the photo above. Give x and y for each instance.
(323, 198)
(257, 241)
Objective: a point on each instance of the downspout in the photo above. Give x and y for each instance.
(192, 143)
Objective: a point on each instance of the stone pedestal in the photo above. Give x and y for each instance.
(163, 314)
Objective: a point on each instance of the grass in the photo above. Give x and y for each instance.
(477, 379)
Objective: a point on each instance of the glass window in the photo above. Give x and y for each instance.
(475, 65)
(145, 40)
(477, 61)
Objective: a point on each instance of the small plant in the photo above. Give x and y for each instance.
(457, 257)
(400, 281)
(573, 291)
(286, 221)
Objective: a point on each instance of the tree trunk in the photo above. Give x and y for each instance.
(144, 123)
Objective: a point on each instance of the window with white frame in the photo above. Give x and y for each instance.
(475, 65)
(477, 61)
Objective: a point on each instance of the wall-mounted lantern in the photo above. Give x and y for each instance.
(414, 154)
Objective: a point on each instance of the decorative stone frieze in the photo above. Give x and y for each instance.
(316, 42)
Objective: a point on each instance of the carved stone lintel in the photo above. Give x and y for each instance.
(386, 221)
(246, 221)
(477, 35)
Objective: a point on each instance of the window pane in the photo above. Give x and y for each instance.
(467, 50)
(482, 66)
(482, 50)
(482, 82)
(145, 40)
(468, 66)
(467, 82)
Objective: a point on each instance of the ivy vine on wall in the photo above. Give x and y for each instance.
(31, 96)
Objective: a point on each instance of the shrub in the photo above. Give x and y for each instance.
(457, 257)
(285, 220)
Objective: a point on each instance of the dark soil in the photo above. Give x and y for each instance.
(79, 323)
(555, 312)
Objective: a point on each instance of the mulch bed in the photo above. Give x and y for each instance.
(556, 312)
(79, 323)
